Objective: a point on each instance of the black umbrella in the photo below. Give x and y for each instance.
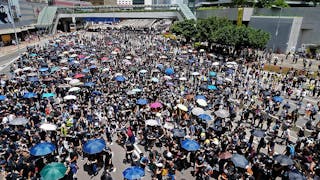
(284, 160)
(259, 133)
(179, 133)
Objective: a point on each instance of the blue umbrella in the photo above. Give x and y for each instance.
(133, 172)
(94, 146)
(230, 71)
(2, 97)
(277, 99)
(42, 149)
(33, 79)
(53, 69)
(178, 133)
(239, 161)
(205, 117)
(212, 87)
(89, 84)
(160, 66)
(85, 70)
(97, 93)
(142, 102)
(200, 97)
(190, 145)
(93, 66)
(169, 71)
(33, 54)
(212, 74)
(48, 95)
(120, 78)
(43, 69)
(29, 95)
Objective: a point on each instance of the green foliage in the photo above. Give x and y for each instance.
(222, 31)
(264, 3)
(280, 3)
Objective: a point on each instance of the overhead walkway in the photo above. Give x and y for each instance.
(186, 11)
(46, 17)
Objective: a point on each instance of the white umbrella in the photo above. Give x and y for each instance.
(48, 127)
(152, 122)
(196, 111)
(202, 102)
(64, 86)
(73, 55)
(195, 74)
(64, 68)
(232, 63)
(62, 61)
(74, 82)
(73, 89)
(215, 64)
(136, 90)
(128, 57)
(18, 70)
(143, 71)
(105, 69)
(163, 57)
(167, 77)
(117, 74)
(32, 74)
(27, 69)
(228, 79)
(70, 97)
(154, 79)
(182, 107)
(222, 113)
(168, 126)
(114, 52)
(183, 79)
(201, 50)
(68, 78)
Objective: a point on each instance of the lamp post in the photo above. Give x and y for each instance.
(13, 24)
(278, 24)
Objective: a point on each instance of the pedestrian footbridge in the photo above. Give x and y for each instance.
(49, 17)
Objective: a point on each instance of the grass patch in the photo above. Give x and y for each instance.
(285, 70)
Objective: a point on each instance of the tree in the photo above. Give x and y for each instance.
(185, 28)
(280, 3)
(226, 35)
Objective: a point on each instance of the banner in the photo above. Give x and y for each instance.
(240, 16)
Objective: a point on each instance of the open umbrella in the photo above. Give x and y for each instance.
(70, 97)
(48, 95)
(225, 155)
(212, 87)
(133, 172)
(212, 74)
(182, 107)
(136, 90)
(205, 117)
(277, 99)
(190, 145)
(169, 71)
(195, 74)
(94, 146)
(53, 171)
(200, 97)
(152, 122)
(33, 79)
(74, 89)
(182, 78)
(283, 160)
(259, 133)
(202, 102)
(77, 76)
(43, 69)
(29, 95)
(178, 133)
(74, 82)
(98, 93)
(296, 175)
(88, 84)
(239, 161)
(18, 121)
(143, 71)
(222, 113)
(154, 79)
(48, 127)
(3, 97)
(120, 78)
(42, 149)
(142, 102)
(156, 105)
(197, 111)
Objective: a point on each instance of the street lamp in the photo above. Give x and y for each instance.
(278, 24)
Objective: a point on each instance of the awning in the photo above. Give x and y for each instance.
(9, 31)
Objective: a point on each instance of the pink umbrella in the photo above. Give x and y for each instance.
(77, 76)
(81, 56)
(104, 59)
(156, 105)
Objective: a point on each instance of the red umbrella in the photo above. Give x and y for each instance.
(225, 155)
(77, 76)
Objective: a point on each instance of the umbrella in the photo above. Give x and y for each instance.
(77, 76)
(169, 83)
(53, 171)
(167, 77)
(33, 79)
(48, 95)
(143, 71)
(42, 149)
(195, 74)
(277, 99)
(159, 66)
(296, 175)
(230, 71)
(74, 82)
(200, 97)
(18, 121)
(96, 93)
(212, 74)
(259, 133)
(212, 87)
(225, 155)
(202, 102)
(94, 146)
(133, 172)
(222, 113)
(169, 126)
(197, 111)
(156, 105)
(48, 127)
(154, 79)
(64, 86)
(136, 90)
(239, 161)
(182, 78)
(43, 69)
(205, 117)
(120, 78)
(169, 71)
(152, 122)
(190, 145)
(73, 89)
(283, 160)
(178, 133)
(182, 107)
(142, 102)
(85, 70)
(89, 84)
(29, 95)
(70, 97)
(3, 97)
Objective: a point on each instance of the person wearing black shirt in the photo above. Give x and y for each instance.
(129, 151)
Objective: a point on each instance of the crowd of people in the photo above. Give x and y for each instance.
(192, 110)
